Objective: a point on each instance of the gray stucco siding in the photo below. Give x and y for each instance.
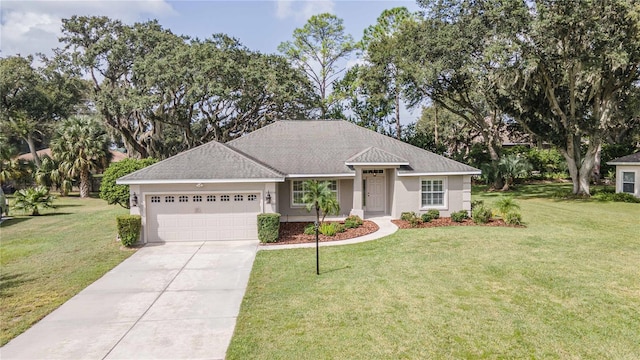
(406, 194)
(299, 213)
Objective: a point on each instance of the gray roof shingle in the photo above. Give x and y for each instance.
(633, 158)
(323, 146)
(211, 161)
(373, 155)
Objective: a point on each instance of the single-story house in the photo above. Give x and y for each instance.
(215, 191)
(627, 174)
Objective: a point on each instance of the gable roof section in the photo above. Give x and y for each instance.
(208, 163)
(375, 156)
(633, 159)
(319, 147)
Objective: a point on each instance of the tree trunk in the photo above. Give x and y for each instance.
(84, 184)
(398, 129)
(32, 150)
(580, 169)
(494, 152)
(435, 127)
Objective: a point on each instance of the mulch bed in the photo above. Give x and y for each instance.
(402, 224)
(293, 233)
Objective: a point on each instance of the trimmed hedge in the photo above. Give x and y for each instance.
(430, 215)
(129, 229)
(268, 227)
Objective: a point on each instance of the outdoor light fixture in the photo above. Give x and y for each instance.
(134, 200)
(268, 198)
(199, 185)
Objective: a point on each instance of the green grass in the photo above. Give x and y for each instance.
(566, 286)
(47, 259)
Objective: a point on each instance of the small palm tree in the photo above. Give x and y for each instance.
(511, 167)
(32, 199)
(318, 196)
(52, 174)
(506, 205)
(81, 144)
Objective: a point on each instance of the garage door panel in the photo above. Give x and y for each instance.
(202, 220)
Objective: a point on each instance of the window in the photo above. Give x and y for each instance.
(432, 193)
(224, 197)
(297, 190)
(252, 197)
(238, 198)
(211, 198)
(197, 198)
(155, 199)
(168, 199)
(183, 198)
(629, 182)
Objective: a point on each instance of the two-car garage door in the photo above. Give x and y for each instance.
(202, 217)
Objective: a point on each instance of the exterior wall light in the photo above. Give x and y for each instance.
(268, 198)
(134, 200)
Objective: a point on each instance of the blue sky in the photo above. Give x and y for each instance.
(30, 26)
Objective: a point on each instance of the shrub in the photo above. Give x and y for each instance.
(268, 227)
(415, 221)
(476, 203)
(618, 197)
(459, 216)
(340, 228)
(310, 229)
(513, 218)
(506, 205)
(129, 229)
(328, 229)
(407, 215)
(430, 215)
(32, 199)
(481, 214)
(119, 194)
(352, 222)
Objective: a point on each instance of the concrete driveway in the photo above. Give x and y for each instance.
(171, 301)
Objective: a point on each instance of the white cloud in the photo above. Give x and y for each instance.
(30, 27)
(302, 10)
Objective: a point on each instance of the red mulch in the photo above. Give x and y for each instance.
(293, 233)
(448, 222)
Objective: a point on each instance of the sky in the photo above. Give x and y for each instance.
(30, 26)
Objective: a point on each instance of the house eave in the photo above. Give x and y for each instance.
(197, 181)
(376, 163)
(450, 173)
(624, 163)
(312, 176)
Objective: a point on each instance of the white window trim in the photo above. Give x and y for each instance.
(635, 182)
(445, 196)
(293, 205)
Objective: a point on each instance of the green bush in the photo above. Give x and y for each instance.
(617, 197)
(328, 229)
(268, 227)
(340, 228)
(407, 215)
(310, 229)
(430, 215)
(476, 203)
(129, 229)
(513, 218)
(352, 222)
(481, 214)
(459, 216)
(119, 194)
(32, 199)
(506, 205)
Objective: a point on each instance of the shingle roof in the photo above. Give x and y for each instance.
(633, 158)
(206, 163)
(323, 146)
(373, 155)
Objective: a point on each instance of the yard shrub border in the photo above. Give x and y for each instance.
(129, 227)
(268, 227)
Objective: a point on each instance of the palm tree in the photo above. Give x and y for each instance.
(318, 196)
(32, 199)
(512, 166)
(81, 144)
(52, 174)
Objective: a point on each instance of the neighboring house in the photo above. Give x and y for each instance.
(627, 174)
(215, 191)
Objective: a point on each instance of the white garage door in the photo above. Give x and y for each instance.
(178, 217)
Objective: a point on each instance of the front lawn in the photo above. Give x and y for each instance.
(566, 286)
(47, 259)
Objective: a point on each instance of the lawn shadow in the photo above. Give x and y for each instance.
(66, 205)
(9, 281)
(334, 270)
(12, 221)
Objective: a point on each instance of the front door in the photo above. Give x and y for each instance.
(375, 193)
